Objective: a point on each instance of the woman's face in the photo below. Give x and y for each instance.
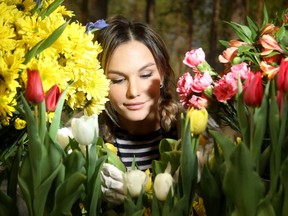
(135, 83)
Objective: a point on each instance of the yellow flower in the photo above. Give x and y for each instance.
(148, 188)
(199, 207)
(111, 147)
(198, 120)
(19, 124)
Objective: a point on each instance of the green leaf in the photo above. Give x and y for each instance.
(260, 122)
(36, 148)
(55, 4)
(74, 162)
(265, 209)
(95, 187)
(67, 193)
(55, 124)
(210, 191)
(284, 182)
(265, 16)
(254, 28)
(242, 118)
(188, 163)
(42, 121)
(224, 43)
(240, 172)
(243, 32)
(225, 143)
(6, 204)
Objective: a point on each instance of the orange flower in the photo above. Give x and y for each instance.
(228, 55)
(269, 70)
(269, 43)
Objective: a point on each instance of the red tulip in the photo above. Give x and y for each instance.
(253, 90)
(34, 88)
(51, 98)
(282, 78)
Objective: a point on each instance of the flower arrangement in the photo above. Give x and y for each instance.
(38, 35)
(247, 172)
(48, 67)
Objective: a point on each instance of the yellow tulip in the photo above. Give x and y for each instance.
(198, 120)
(111, 147)
(148, 188)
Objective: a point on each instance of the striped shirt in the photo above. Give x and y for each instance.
(141, 148)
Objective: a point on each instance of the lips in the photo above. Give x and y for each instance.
(134, 106)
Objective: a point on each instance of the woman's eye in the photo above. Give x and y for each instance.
(116, 81)
(146, 75)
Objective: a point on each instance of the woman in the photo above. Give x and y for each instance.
(141, 110)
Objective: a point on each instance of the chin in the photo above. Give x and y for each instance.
(136, 116)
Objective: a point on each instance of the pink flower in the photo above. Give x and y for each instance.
(226, 88)
(201, 82)
(282, 78)
(198, 102)
(228, 55)
(253, 90)
(194, 57)
(184, 84)
(241, 69)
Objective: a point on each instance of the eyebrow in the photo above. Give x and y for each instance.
(142, 68)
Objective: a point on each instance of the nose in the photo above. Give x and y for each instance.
(132, 89)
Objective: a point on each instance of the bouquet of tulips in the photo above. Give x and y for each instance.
(247, 172)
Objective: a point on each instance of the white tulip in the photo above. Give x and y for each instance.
(162, 183)
(63, 135)
(85, 129)
(135, 180)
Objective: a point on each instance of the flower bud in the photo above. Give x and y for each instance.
(19, 124)
(85, 129)
(253, 90)
(63, 135)
(282, 78)
(136, 181)
(111, 147)
(34, 88)
(198, 120)
(162, 184)
(51, 98)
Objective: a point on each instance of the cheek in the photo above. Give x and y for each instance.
(154, 89)
(116, 95)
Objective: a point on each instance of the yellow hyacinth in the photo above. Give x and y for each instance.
(198, 120)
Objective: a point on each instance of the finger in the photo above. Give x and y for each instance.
(112, 171)
(111, 183)
(112, 196)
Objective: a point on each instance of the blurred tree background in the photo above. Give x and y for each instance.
(183, 24)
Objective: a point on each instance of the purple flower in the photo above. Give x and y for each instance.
(99, 24)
